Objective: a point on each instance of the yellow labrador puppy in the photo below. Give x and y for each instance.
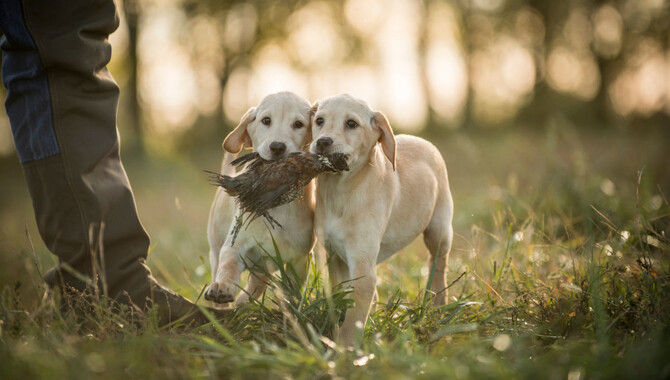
(395, 189)
(279, 125)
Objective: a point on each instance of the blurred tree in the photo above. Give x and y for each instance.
(595, 62)
(131, 11)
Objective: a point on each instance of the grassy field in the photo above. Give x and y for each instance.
(560, 270)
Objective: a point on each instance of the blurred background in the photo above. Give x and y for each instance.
(187, 67)
(515, 93)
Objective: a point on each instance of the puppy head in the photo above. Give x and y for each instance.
(343, 124)
(279, 125)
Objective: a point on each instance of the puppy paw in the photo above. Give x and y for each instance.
(440, 299)
(242, 299)
(219, 293)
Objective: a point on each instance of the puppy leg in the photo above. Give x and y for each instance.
(213, 262)
(364, 288)
(223, 289)
(338, 271)
(255, 288)
(438, 237)
(301, 267)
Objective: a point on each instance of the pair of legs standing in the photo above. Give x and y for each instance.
(62, 104)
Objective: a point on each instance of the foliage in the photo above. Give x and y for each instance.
(602, 313)
(550, 277)
(451, 63)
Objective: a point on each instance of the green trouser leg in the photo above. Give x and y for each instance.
(61, 102)
(83, 193)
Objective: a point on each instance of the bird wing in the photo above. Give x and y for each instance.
(267, 201)
(268, 184)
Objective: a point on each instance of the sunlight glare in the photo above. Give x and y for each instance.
(445, 65)
(574, 73)
(373, 11)
(608, 31)
(208, 61)
(488, 5)
(171, 92)
(313, 37)
(240, 27)
(401, 96)
(529, 26)
(575, 374)
(608, 187)
(359, 81)
(643, 86)
(502, 342)
(236, 95)
(577, 31)
(167, 81)
(323, 83)
(273, 72)
(503, 75)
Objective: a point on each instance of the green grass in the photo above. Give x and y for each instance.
(560, 269)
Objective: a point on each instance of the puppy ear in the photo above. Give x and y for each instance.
(239, 136)
(312, 110)
(387, 139)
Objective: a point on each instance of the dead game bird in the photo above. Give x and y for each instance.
(268, 184)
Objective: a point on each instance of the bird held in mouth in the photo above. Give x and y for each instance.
(268, 184)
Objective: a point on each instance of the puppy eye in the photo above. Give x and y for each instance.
(298, 124)
(266, 120)
(351, 124)
(319, 121)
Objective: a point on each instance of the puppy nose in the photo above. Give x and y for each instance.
(323, 143)
(277, 148)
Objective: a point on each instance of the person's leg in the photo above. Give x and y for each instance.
(62, 103)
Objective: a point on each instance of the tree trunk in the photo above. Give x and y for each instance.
(131, 11)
